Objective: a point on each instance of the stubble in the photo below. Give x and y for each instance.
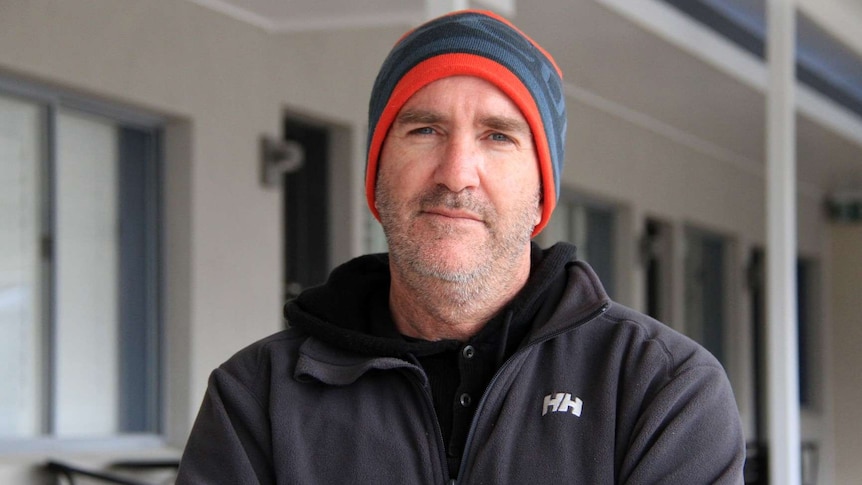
(422, 260)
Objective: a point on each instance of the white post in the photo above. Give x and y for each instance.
(436, 8)
(781, 335)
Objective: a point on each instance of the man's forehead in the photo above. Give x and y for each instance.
(439, 100)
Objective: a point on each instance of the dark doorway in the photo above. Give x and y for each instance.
(306, 210)
(655, 254)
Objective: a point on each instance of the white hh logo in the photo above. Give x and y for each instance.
(562, 402)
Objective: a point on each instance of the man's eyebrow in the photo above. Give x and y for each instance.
(500, 123)
(412, 116)
(506, 124)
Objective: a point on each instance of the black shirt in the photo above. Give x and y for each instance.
(458, 375)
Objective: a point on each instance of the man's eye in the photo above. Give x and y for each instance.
(425, 130)
(499, 137)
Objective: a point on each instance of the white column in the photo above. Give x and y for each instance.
(436, 8)
(783, 359)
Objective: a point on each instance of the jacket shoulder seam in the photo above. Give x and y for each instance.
(673, 370)
(263, 351)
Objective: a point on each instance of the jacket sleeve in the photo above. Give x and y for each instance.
(230, 442)
(689, 432)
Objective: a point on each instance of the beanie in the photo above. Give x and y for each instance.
(485, 45)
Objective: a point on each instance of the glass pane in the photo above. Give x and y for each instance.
(86, 269)
(138, 275)
(20, 312)
(704, 290)
(600, 245)
(806, 286)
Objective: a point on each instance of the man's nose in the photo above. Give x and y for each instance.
(458, 168)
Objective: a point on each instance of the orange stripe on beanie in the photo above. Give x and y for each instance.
(484, 45)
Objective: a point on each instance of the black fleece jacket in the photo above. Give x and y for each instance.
(457, 372)
(594, 393)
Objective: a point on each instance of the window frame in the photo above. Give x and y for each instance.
(715, 338)
(590, 206)
(50, 101)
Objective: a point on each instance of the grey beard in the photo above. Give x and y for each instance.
(462, 287)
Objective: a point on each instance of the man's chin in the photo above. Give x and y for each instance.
(455, 265)
(449, 274)
(454, 250)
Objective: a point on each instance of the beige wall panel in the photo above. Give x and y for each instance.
(846, 358)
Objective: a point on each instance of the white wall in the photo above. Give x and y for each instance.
(846, 359)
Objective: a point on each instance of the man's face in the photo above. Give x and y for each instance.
(458, 187)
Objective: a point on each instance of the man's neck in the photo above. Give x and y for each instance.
(433, 309)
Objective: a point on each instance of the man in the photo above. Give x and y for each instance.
(467, 355)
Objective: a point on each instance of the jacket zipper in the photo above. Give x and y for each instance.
(468, 445)
(429, 408)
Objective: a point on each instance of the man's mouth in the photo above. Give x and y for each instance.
(455, 214)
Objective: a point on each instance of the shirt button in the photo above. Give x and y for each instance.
(468, 352)
(465, 400)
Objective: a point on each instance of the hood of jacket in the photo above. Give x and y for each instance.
(351, 310)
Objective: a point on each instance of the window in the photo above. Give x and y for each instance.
(591, 227)
(705, 289)
(79, 268)
(656, 255)
(806, 290)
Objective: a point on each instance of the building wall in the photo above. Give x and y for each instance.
(845, 355)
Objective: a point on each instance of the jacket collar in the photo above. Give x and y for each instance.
(583, 298)
(571, 298)
(361, 322)
(319, 361)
